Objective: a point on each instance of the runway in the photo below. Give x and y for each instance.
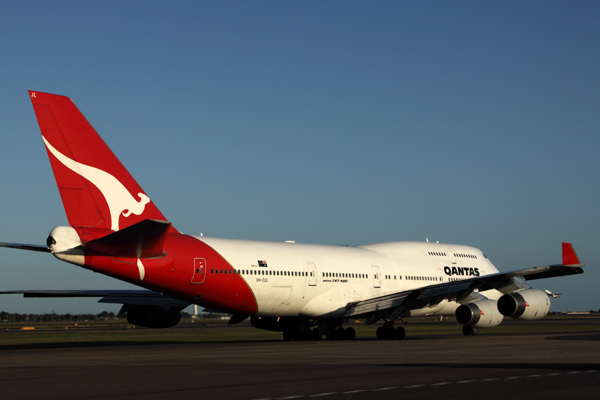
(539, 366)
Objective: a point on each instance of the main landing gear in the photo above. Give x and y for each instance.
(302, 334)
(388, 332)
(469, 330)
(340, 333)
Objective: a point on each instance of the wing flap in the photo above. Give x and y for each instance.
(377, 304)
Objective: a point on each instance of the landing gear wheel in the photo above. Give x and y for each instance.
(287, 335)
(390, 332)
(330, 334)
(315, 334)
(306, 334)
(400, 333)
(469, 330)
(340, 333)
(297, 334)
(350, 333)
(387, 332)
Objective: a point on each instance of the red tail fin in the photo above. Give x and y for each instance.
(96, 190)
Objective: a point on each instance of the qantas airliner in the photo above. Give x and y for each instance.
(302, 290)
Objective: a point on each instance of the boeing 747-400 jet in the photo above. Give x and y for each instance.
(302, 290)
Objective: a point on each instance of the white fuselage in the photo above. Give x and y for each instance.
(316, 281)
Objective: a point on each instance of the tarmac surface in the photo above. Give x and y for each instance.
(539, 366)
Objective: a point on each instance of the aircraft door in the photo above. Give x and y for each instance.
(449, 254)
(312, 274)
(376, 277)
(199, 271)
(440, 275)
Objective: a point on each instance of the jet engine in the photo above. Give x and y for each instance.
(481, 313)
(528, 304)
(152, 316)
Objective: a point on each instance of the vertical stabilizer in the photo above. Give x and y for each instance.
(96, 190)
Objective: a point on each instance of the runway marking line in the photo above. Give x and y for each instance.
(423, 385)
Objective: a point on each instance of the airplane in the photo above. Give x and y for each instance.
(302, 290)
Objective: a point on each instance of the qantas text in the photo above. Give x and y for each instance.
(463, 271)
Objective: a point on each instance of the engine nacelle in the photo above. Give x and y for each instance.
(480, 313)
(152, 316)
(528, 304)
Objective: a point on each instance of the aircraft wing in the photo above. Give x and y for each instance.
(394, 305)
(129, 297)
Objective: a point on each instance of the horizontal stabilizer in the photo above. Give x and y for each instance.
(131, 297)
(30, 247)
(142, 240)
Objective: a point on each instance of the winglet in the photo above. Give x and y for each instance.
(569, 256)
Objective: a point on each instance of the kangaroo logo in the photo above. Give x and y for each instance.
(119, 200)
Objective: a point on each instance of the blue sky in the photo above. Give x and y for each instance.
(337, 122)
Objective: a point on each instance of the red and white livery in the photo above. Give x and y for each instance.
(303, 290)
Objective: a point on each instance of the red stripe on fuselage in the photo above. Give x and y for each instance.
(173, 273)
